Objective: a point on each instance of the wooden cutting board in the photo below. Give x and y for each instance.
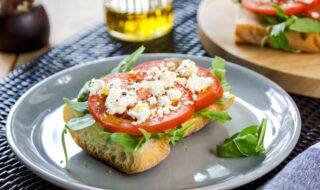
(297, 73)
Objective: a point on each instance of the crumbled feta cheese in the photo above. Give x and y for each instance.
(174, 94)
(186, 68)
(95, 85)
(168, 78)
(166, 110)
(152, 100)
(153, 73)
(182, 81)
(160, 112)
(155, 87)
(141, 112)
(164, 101)
(197, 84)
(119, 99)
(114, 83)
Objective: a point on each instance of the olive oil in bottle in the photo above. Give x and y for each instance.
(138, 20)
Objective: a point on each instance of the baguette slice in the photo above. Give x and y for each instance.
(148, 156)
(250, 31)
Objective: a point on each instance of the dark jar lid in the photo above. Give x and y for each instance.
(25, 31)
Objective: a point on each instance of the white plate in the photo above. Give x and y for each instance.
(35, 123)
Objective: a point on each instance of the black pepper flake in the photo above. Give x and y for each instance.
(124, 93)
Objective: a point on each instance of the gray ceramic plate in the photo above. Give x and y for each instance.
(35, 123)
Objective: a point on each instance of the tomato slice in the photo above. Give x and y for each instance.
(289, 8)
(210, 95)
(205, 98)
(123, 124)
(313, 12)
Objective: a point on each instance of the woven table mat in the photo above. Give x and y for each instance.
(95, 44)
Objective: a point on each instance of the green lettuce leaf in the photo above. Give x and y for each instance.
(178, 133)
(278, 39)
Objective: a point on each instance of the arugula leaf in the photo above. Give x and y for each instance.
(77, 106)
(219, 70)
(129, 142)
(146, 138)
(281, 13)
(247, 142)
(271, 20)
(305, 25)
(237, 1)
(220, 116)
(63, 142)
(126, 64)
(178, 133)
(79, 123)
(278, 39)
(84, 92)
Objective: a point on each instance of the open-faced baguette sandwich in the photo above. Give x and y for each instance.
(289, 25)
(129, 118)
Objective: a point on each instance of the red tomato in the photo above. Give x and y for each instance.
(313, 12)
(210, 95)
(123, 123)
(291, 8)
(205, 98)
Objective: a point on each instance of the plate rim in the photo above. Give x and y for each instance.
(259, 172)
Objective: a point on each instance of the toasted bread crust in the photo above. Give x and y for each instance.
(248, 30)
(148, 156)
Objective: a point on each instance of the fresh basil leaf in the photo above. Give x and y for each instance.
(173, 59)
(84, 93)
(79, 123)
(220, 116)
(129, 142)
(63, 142)
(126, 64)
(77, 106)
(305, 25)
(278, 39)
(228, 150)
(247, 142)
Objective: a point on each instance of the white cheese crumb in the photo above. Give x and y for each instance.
(152, 100)
(168, 78)
(155, 87)
(160, 112)
(114, 83)
(164, 101)
(186, 68)
(174, 94)
(153, 73)
(197, 84)
(141, 112)
(194, 97)
(166, 110)
(119, 99)
(182, 81)
(95, 85)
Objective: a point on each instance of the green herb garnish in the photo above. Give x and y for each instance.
(126, 64)
(77, 106)
(63, 142)
(221, 116)
(281, 23)
(247, 142)
(79, 123)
